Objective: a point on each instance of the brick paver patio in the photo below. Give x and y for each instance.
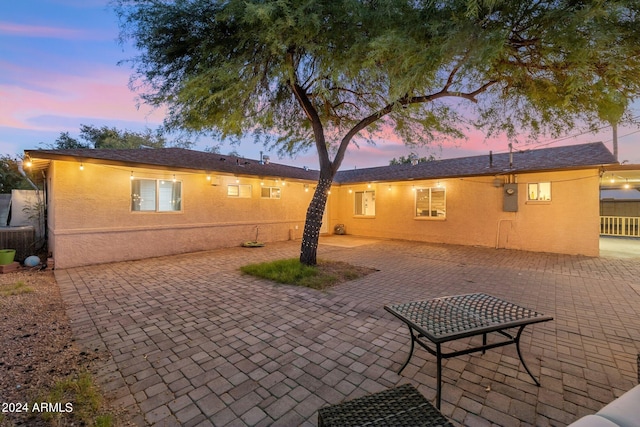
(193, 342)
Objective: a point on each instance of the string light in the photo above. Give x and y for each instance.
(81, 167)
(174, 177)
(131, 178)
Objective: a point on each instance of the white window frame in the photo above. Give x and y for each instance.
(539, 191)
(421, 213)
(362, 209)
(242, 191)
(274, 192)
(159, 201)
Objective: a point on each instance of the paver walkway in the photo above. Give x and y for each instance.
(193, 342)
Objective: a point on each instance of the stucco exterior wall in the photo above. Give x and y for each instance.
(475, 216)
(91, 220)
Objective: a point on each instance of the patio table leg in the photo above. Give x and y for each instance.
(517, 340)
(438, 375)
(413, 340)
(484, 342)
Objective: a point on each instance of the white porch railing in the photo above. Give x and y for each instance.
(628, 226)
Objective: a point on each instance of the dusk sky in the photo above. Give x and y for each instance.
(59, 69)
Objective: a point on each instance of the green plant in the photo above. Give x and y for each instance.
(35, 213)
(15, 289)
(80, 392)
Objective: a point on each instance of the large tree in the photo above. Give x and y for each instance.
(303, 73)
(11, 177)
(113, 138)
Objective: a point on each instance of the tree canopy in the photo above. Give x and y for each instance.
(412, 158)
(10, 176)
(330, 73)
(112, 138)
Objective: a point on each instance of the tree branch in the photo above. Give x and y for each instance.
(455, 70)
(312, 116)
(472, 95)
(362, 124)
(452, 74)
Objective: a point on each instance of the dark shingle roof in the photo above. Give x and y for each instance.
(177, 159)
(567, 157)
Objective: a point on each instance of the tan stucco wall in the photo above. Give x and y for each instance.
(90, 217)
(567, 224)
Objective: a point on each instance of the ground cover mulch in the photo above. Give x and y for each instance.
(36, 344)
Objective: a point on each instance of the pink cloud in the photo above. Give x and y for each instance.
(100, 94)
(474, 140)
(40, 31)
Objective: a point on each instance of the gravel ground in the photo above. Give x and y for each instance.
(36, 343)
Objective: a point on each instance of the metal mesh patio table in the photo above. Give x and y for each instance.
(444, 319)
(402, 406)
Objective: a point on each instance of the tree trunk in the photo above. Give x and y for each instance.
(313, 222)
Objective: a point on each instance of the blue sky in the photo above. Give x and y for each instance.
(59, 69)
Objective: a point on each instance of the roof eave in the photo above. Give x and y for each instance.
(42, 159)
(500, 172)
(92, 160)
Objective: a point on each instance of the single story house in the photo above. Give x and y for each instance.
(116, 205)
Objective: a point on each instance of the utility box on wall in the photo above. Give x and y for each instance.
(510, 193)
